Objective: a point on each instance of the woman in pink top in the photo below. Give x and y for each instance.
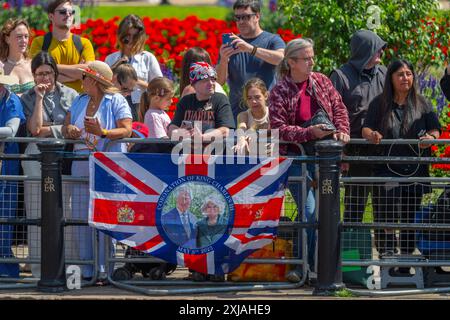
(154, 101)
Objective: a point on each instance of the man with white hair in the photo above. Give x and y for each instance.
(179, 223)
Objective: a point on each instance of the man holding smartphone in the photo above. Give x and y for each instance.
(445, 82)
(252, 53)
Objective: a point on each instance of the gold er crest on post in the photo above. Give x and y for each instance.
(125, 215)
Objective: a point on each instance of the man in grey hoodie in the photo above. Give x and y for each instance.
(359, 81)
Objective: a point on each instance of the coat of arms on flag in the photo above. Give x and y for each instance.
(207, 214)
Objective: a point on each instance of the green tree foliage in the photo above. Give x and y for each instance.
(36, 16)
(330, 23)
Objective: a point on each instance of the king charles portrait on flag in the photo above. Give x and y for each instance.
(204, 213)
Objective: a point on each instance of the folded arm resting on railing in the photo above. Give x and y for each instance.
(10, 128)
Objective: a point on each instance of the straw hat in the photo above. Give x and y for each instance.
(100, 72)
(8, 80)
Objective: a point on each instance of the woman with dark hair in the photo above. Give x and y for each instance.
(14, 53)
(194, 54)
(400, 112)
(131, 35)
(45, 107)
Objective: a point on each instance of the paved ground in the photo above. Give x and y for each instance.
(109, 292)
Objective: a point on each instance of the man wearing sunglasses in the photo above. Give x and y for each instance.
(252, 53)
(71, 52)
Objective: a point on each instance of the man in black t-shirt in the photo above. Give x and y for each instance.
(205, 114)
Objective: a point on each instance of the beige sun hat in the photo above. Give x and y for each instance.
(99, 71)
(8, 80)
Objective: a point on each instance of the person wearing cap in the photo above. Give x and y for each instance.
(254, 53)
(358, 82)
(131, 37)
(140, 131)
(445, 82)
(11, 115)
(70, 51)
(206, 114)
(99, 116)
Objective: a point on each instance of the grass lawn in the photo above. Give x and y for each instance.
(156, 12)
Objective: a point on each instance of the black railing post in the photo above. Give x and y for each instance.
(329, 276)
(53, 277)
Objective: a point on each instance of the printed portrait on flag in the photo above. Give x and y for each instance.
(194, 214)
(207, 215)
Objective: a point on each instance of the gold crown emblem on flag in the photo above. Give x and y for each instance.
(125, 215)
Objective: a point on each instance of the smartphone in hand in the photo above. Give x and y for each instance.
(226, 39)
(188, 125)
(89, 119)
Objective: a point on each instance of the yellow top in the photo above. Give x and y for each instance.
(65, 52)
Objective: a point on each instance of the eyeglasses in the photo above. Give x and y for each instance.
(64, 12)
(243, 17)
(43, 74)
(306, 59)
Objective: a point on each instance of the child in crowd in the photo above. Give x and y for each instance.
(125, 79)
(154, 101)
(256, 117)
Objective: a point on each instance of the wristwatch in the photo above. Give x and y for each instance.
(104, 133)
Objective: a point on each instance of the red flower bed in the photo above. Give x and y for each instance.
(168, 39)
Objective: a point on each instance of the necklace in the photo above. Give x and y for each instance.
(15, 63)
(262, 119)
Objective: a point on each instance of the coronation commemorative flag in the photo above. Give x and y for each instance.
(232, 209)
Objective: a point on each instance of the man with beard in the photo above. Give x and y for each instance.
(70, 51)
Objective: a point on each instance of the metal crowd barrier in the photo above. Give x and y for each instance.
(395, 235)
(61, 193)
(22, 248)
(328, 208)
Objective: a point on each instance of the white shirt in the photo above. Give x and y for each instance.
(146, 66)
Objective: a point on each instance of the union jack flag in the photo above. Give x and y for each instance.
(130, 193)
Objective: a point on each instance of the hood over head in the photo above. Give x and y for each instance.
(364, 44)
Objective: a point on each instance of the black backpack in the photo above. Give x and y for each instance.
(76, 41)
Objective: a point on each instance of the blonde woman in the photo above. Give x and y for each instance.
(213, 225)
(132, 37)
